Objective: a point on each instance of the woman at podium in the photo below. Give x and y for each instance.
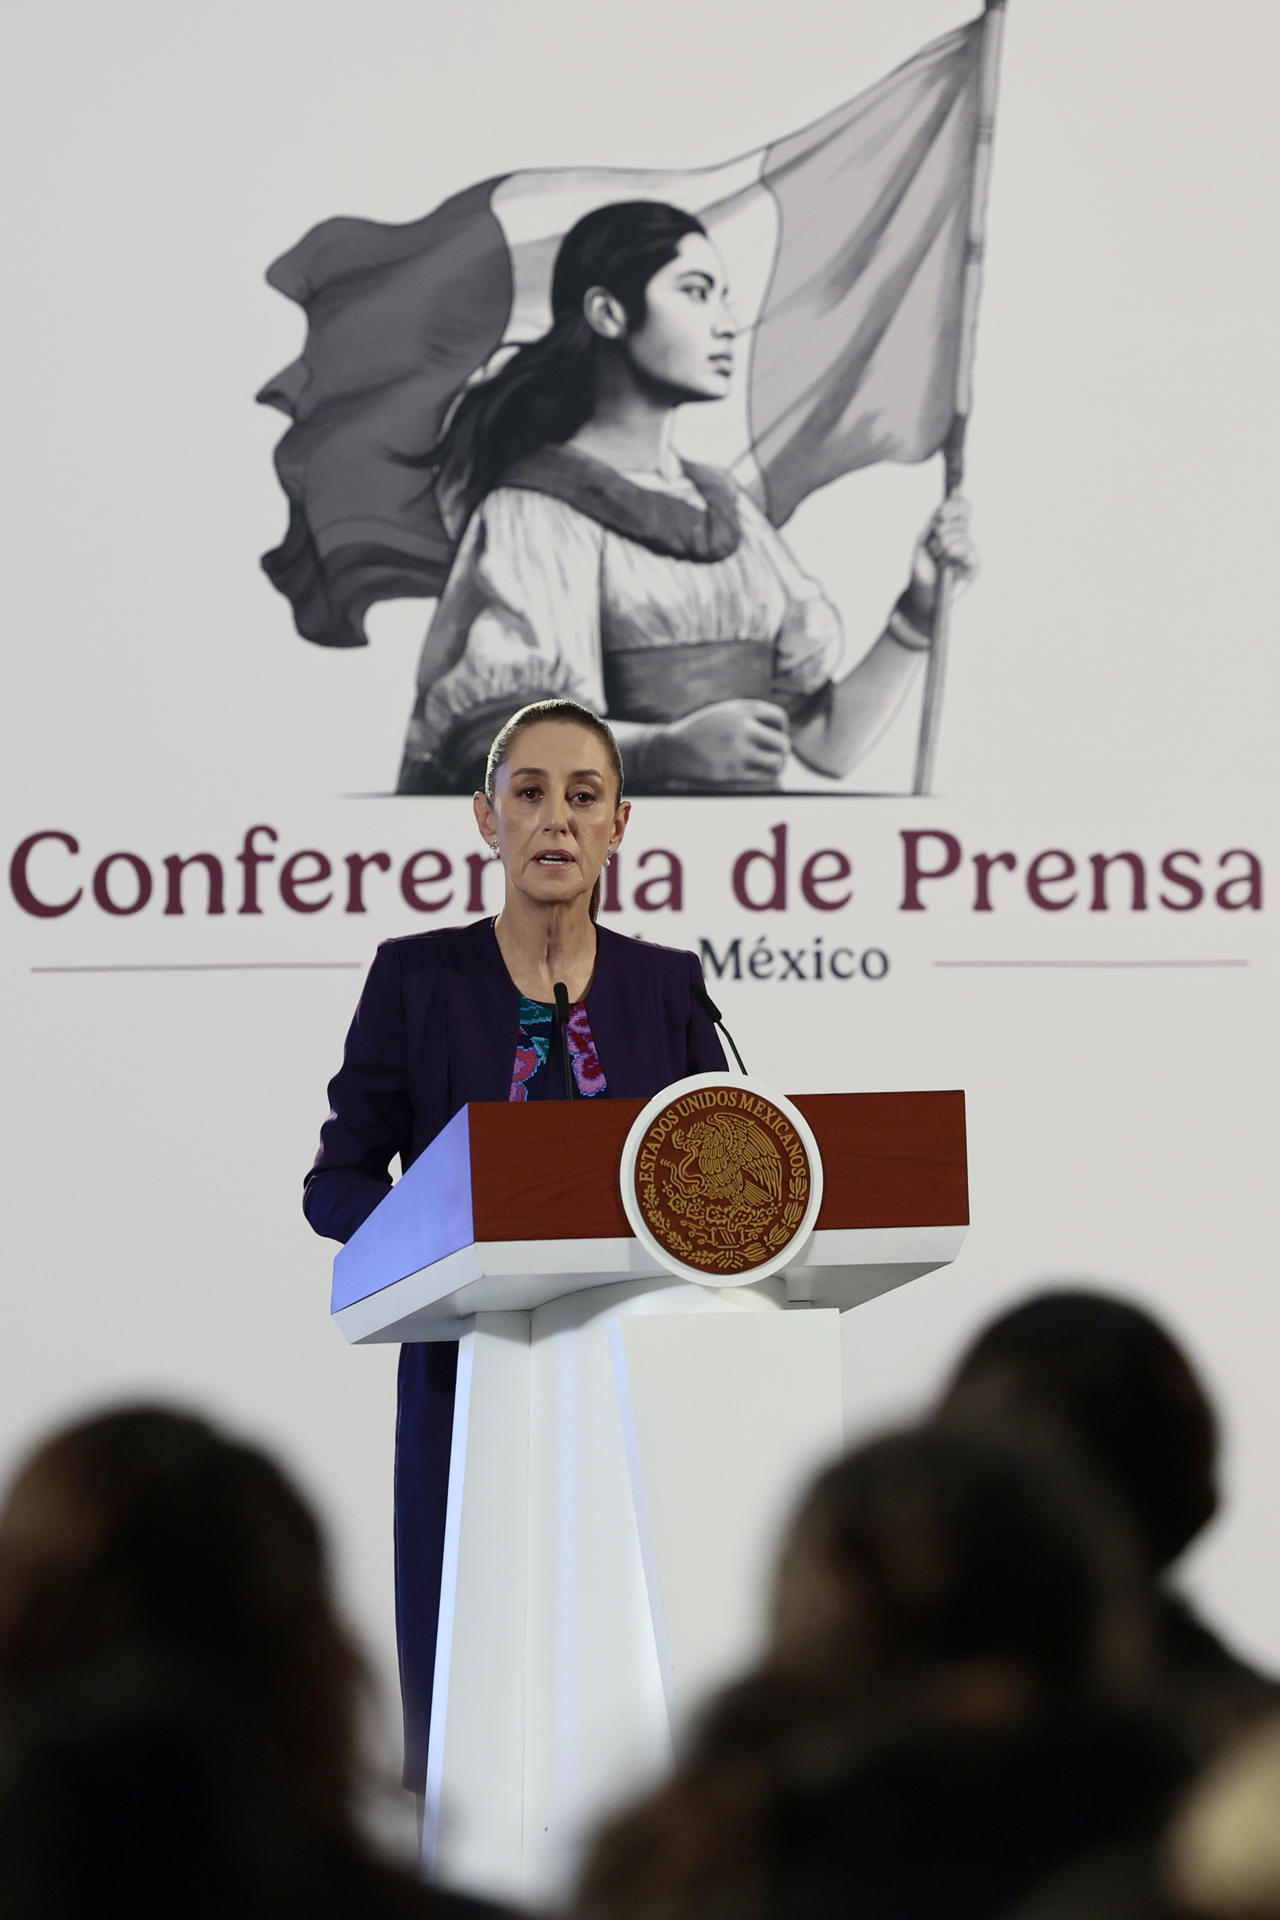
(539, 1003)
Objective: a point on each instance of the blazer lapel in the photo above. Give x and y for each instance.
(484, 1014)
(622, 1016)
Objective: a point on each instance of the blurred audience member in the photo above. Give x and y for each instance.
(949, 1710)
(148, 1529)
(178, 1700)
(1120, 1389)
(131, 1789)
(126, 1789)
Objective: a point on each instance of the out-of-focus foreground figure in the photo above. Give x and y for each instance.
(951, 1707)
(1118, 1389)
(178, 1699)
(147, 1530)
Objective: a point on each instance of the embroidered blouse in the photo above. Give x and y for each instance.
(537, 1072)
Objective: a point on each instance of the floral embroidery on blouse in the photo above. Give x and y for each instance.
(588, 1074)
(533, 1046)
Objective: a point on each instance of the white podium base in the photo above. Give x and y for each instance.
(623, 1459)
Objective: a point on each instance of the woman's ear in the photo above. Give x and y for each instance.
(604, 313)
(484, 819)
(620, 820)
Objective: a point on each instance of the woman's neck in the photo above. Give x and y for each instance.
(630, 429)
(541, 945)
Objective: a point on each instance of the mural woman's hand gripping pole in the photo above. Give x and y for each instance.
(857, 708)
(945, 559)
(949, 569)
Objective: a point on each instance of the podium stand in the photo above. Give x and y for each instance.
(626, 1445)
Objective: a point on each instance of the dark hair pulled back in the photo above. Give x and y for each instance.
(547, 389)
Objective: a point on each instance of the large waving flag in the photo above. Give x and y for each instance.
(845, 246)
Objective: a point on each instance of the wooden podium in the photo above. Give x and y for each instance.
(626, 1445)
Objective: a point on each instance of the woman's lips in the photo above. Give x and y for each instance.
(555, 860)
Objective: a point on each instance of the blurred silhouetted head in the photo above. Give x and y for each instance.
(147, 1531)
(1119, 1387)
(951, 1701)
(932, 1553)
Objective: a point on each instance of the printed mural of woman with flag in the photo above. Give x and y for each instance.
(594, 563)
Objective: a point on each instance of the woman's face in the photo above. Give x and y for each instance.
(555, 813)
(685, 346)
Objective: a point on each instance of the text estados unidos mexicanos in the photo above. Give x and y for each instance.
(714, 1098)
(51, 874)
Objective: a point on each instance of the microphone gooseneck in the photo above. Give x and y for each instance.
(561, 993)
(712, 1012)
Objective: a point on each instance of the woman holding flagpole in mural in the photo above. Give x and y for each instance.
(594, 563)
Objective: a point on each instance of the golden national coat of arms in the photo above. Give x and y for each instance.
(721, 1179)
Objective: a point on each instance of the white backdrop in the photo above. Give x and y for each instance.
(1112, 688)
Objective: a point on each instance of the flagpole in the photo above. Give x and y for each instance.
(953, 445)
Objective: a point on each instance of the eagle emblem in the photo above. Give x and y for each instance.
(728, 1158)
(720, 1178)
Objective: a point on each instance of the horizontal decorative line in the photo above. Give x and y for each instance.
(218, 966)
(1091, 963)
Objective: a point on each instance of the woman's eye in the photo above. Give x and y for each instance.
(697, 293)
(530, 793)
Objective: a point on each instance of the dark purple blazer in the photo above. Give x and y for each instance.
(436, 1027)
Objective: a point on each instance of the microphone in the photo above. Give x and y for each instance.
(561, 993)
(712, 1012)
